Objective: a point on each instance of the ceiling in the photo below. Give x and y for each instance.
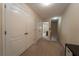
(45, 12)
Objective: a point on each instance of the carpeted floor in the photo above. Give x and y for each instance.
(44, 48)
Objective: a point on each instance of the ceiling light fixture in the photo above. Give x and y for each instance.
(46, 4)
(55, 18)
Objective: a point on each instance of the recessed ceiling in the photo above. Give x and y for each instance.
(48, 11)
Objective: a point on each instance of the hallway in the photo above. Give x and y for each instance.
(32, 29)
(44, 48)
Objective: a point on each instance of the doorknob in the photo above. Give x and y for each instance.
(25, 33)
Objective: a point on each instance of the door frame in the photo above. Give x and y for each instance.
(3, 29)
(59, 27)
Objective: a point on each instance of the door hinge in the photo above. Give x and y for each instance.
(5, 6)
(5, 32)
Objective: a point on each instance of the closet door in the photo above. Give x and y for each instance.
(16, 29)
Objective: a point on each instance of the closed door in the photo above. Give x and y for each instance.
(16, 29)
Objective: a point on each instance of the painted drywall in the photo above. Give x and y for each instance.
(37, 23)
(0, 29)
(69, 32)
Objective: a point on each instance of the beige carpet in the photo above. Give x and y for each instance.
(44, 48)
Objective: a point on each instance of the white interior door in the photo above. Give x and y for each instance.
(15, 29)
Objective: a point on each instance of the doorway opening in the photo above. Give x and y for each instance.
(45, 29)
(55, 28)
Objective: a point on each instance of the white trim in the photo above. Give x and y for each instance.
(3, 28)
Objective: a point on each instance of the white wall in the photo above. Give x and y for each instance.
(32, 26)
(38, 29)
(0, 29)
(37, 23)
(70, 25)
